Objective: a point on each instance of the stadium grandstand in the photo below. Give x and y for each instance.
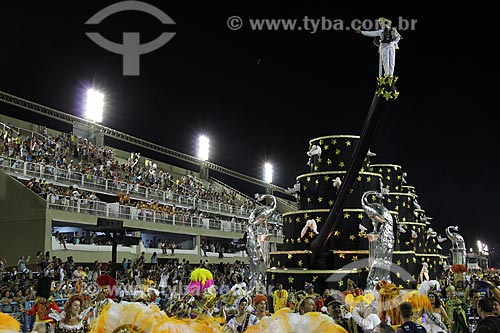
(80, 194)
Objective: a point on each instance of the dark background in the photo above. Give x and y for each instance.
(261, 95)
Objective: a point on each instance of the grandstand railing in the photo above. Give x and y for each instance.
(27, 169)
(115, 210)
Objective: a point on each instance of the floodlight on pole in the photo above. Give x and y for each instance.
(268, 173)
(94, 105)
(203, 146)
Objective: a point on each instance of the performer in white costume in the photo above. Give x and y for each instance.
(386, 39)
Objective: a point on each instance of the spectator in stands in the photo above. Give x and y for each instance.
(61, 238)
(154, 261)
(21, 265)
(3, 262)
(19, 297)
(6, 300)
(39, 261)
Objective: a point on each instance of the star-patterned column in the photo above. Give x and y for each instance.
(392, 175)
(336, 152)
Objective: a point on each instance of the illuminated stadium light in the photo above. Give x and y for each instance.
(94, 105)
(203, 144)
(482, 247)
(268, 173)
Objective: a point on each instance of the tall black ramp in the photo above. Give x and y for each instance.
(384, 97)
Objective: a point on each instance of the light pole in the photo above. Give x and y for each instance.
(203, 150)
(268, 176)
(94, 105)
(93, 110)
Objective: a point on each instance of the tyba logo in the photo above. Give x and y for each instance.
(131, 49)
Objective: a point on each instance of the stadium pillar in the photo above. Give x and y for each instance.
(204, 171)
(90, 132)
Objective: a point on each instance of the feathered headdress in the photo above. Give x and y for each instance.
(107, 282)
(458, 268)
(8, 324)
(201, 279)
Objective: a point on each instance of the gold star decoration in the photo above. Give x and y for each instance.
(414, 260)
(352, 237)
(334, 141)
(359, 178)
(341, 255)
(279, 263)
(326, 147)
(290, 256)
(308, 179)
(318, 219)
(346, 215)
(286, 240)
(330, 202)
(314, 278)
(341, 165)
(398, 263)
(354, 258)
(311, 234)
(319, 160)
(348, 143)
(368, 179)
(341, 283)
(320, 199)
(360, 216)
(308, 200)
(300, 263)
(361, 234)
(326, 178)
(337, 151)
(329, 161)
(316, 181)
(292, 240)
(297, 219)
(299, 240)
(290, 279)
(336, 233)
(315, 168)
(272, 276)
(407, 261)
(398, 275)
(306, 241)
(387, 95)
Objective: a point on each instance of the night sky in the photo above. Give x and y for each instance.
(261, 95)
